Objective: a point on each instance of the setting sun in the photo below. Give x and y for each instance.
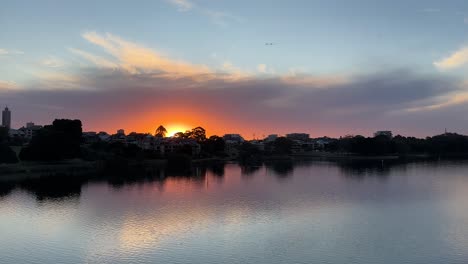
(174, 128)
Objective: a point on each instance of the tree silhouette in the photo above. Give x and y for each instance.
(199, 134)
(161, 131)
(3, 134)
(179, 135)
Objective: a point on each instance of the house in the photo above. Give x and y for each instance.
(271, 138)
(30, 130)
(90, 137)
(298, 136)
(233, 139)
(383, 133)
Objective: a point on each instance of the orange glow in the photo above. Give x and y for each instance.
(174, 128)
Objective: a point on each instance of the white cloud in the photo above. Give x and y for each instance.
(10, 52)
(97, 60)
(262, 68)
(454, 60)
(182, 5)
(53, 62)
(7, 85)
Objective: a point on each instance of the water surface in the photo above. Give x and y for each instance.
(306, 212)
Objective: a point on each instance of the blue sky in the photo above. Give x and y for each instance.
(44, 44)
(314, 36)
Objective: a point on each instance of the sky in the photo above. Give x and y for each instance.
(334, 67)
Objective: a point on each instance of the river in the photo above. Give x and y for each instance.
(281, 212)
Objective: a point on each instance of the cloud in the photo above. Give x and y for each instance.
(136, 58)
(153, 87)
(7, 85)
(53, 62)
(182, 5)
(443, 102)
(359, 104)
(454, 98)
(59, 80)
(262, 68)
(10, 52)
(96, 60)
(454, 60)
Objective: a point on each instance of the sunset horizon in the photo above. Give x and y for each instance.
(234, 131)
(230, 71)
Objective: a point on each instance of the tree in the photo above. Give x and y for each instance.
(161, 131)
(7, 155)
(3, 134)
(214, 145)
(61, 140)
(199, 134)
(283, 145)
(179, 135)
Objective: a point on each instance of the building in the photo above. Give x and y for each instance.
(90, 137)
(383, 133)
(103, 136)
(16, 133)
(271, 138)
(233, 139)
(6, 118)
(30, 130)
(298, 136)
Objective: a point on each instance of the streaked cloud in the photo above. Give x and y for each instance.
(456, 59)
(182, 5)
(454, 98)
(53, 62)
(10, 52)
(59, 80)
(354, 105)
(445, 101)
(96, 60)
(7, 85)
(136, 58)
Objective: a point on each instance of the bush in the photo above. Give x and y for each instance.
(7, 155)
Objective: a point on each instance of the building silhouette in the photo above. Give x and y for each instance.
(6, 118)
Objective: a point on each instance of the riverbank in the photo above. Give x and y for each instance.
(125, 167)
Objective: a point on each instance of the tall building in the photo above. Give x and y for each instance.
(6, 118)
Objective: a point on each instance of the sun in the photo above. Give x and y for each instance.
(174, 128)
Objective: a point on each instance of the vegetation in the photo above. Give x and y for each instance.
(161, 132)
(7, 155)
(58, 141)
(441, 145)
(198, 134)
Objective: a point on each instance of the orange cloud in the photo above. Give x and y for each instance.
(136, 58)
(7, 85)
(455, 60)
